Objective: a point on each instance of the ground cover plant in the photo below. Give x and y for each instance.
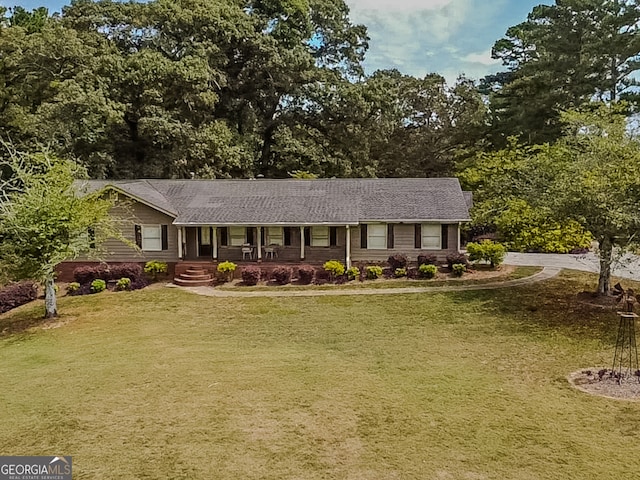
(443, 385)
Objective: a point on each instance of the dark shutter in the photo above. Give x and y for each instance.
(389, 235)
(333, 236)
(262, 237)
(249, 235)
(165, 237)
(138, 235)
(418, 236)
(224, 235)
(287, 236)
(445, 237)
(363, 236)
(307, 236)
(92, 237)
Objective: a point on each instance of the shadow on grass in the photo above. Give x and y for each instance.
(552, 307)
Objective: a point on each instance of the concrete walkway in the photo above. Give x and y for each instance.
(626, 266)
(546, 273)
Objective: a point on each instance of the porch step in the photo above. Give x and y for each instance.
(193, 277)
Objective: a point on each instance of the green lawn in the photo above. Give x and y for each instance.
(163, 384)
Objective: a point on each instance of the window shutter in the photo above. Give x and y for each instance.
(445, 237)
(363, 236)
(92, 237)
(262, 237)
(418, 236)
(249, 236)
(333, 236)
(307, 236)
(165, 237)
(138, 235)
(390, 237)
(287, 236)
(224, 235)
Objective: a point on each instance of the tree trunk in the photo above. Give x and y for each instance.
(606, 254)
(50, 301)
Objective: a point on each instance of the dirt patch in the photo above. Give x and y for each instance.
(593, 299)
(604, 383)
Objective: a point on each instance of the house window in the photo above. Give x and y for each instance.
(319, 236)
(275, 235)
(236, 236)
(152, 238)
(431, 236)
(377, 236)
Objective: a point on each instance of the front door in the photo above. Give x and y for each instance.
(204, 242)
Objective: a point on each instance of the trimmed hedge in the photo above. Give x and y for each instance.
(399, 260)
(16, 294)
(281, 275)
(251, 275)
(457, 258)
(306, 274)
(133, 271)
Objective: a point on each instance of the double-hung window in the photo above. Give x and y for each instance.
(320, 236)
(275, 235)
(151, 238)
(377, 236)
(431, 236)
(237, 236)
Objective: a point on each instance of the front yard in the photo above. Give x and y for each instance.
(160, 383)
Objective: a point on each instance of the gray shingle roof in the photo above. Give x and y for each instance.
(296, 202)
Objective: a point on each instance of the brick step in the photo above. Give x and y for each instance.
(195, 276)
(192, 283)
(196, 271)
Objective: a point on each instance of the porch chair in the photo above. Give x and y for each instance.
(247, 250)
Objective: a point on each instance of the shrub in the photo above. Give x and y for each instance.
(488, 251)
(373, 272)
(226, 269)
(251, 275)
(305, 274)
(427, 270)
(322, 276)
(458, 269)
(398, 260)
(87, 274)
(353, 273)
(98, 286)
(73, 288)
(281, 275)
(139, 283)
(458, 258)
(154, 268)
(123, 284)
(16, 294)
(400, 272)
(427, 259)
(334, 267)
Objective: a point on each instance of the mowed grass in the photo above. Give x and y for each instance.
(163, 384)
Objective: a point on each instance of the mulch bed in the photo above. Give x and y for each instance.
(606, 385)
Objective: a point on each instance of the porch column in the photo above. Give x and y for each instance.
(180, 243)
(459, 223)
(348, 247)
(214, 243)
(259, 243)
(301, 243)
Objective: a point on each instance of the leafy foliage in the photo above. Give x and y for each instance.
(398, 260)
(123, 283)
(400, 272)
(352, 273)
(427, 270)
(305, 274)
(98, 286)
(487, 251)
(154, 268)
(456, 258)
(281, 275)
(373, 272)
(251, 275)
(16, 294)
(458, 269)
(427, 259)
(334, 267)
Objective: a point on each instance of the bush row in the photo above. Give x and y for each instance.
(16, 294)
(125, 276)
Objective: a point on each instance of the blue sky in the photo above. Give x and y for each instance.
(418, 37)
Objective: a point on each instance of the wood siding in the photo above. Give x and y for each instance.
(404, 242)
(139, 214)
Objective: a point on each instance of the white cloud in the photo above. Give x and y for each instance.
(483, 58)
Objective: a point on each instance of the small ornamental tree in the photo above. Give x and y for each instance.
(487, 251)
(46, 219)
